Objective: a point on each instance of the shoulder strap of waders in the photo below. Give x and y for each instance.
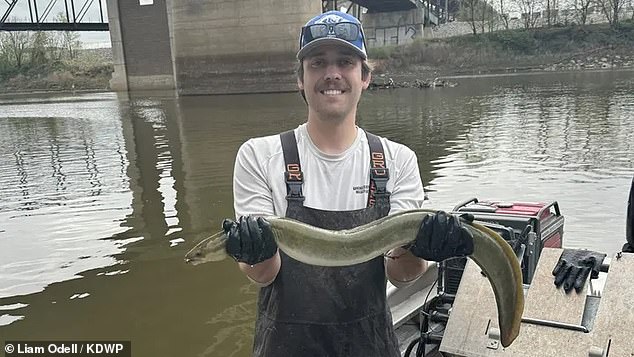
(293, 174)
(379, 173)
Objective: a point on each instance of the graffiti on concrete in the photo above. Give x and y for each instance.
(395, 35)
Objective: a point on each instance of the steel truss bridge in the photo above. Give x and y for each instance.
(74, 11)
(431, 10)
(39, 18)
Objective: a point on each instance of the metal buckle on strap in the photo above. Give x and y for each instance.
(294, 191)
(380, 176)
(294, 182)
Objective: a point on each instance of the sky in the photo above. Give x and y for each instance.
(51, 8)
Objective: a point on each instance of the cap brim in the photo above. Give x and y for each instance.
(329, 41)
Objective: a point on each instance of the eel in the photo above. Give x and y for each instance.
(317, 246)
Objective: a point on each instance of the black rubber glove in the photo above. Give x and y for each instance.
(442, 236)
(249, 240)
(574, 266)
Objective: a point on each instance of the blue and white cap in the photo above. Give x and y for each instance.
(332, 27)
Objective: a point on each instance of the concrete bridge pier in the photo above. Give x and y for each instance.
(141, 45)
(395, 27)
(207, 46)
(239, 46)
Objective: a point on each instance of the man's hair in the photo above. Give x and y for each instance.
(365, 72)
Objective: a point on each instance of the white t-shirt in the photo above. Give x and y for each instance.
(331, 182)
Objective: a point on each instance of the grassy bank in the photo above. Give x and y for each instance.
(91, 69)
(558, 48)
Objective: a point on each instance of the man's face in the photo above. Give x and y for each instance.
(332, 82)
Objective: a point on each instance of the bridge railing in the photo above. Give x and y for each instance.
(431, 11)
(53, 15)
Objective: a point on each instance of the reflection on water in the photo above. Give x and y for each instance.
(234, 325)
(63, 184)
(102, 194)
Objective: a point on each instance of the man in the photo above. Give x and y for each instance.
(628, 247)
(331, 174)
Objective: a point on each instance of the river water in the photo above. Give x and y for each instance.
(102, 194)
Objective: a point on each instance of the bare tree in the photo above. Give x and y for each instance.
(581, 9)
(612, 10)
(4, 53)
(552, 10)
(16, 46)
(56, 46)
(483, 15)
(493, 19)
(488, 16)
(530, 12)
(554, 14)
(628, 6)
(503, 15)
(56, 41)
(470, 6)
(38, 48)
(71, 43)
(68, 40)
(480, 14)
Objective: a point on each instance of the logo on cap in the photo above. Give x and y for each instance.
(330, 19)
(332, 27)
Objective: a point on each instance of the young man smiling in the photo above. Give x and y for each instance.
(329, 173)
(332, 83)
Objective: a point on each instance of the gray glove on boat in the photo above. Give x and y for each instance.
(442, 236)
(249, 240)
(574, 266)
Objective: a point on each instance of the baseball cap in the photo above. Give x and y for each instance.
(332, 27)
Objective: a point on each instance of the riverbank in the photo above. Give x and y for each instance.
(572, 48)
(424, 63)
(90, 70)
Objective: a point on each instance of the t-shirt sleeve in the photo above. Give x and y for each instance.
(251, 189)
(408, 190)
(407, 193)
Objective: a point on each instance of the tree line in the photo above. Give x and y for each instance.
(21, 51)
(489, 15)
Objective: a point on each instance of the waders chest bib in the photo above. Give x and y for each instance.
(328, 311)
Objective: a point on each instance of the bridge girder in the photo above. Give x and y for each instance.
(74, 16)
(53, 26)
(387, 5)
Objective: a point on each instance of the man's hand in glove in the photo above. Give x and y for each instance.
(442, 236)
(574, 266)
(249, 240)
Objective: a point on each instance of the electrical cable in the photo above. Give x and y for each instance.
(420, 350)
(415, 341)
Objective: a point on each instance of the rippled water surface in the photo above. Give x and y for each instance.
(102, 194)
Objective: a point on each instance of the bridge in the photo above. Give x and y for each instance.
(41, 15)
(213, 46)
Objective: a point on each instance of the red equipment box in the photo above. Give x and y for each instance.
(540, 224)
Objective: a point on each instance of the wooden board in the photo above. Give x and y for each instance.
(544, 341)
(547, 302)
(544, 301)
(615, 317)
(475, 309)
